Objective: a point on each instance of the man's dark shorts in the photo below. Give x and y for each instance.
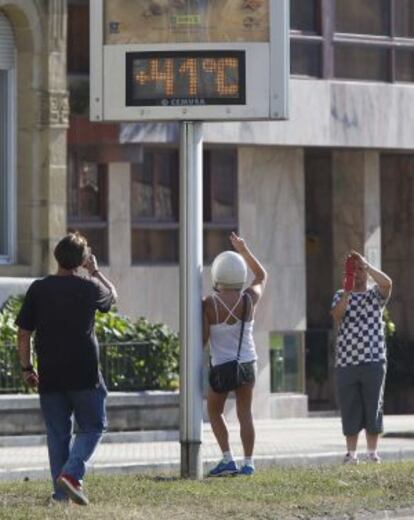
(360, 392)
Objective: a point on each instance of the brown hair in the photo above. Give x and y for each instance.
(71, 251)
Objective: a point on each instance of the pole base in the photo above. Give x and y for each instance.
(191, 464)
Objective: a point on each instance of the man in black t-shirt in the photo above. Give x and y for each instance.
(60, 310)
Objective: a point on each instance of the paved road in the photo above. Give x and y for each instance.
(287, 441)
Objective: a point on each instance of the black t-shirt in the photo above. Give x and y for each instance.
(61, 311)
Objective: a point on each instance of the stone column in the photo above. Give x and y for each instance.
(49, 195)
(356, 207)
(272, 220)
(119, 225)
(41, 120)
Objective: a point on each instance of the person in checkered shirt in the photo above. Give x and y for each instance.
(361, 353)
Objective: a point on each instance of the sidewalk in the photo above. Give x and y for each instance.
(285, 441)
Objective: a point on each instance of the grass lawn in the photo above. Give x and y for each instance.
(276, 494)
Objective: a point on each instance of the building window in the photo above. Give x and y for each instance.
(4, 167)
(154, 207)
(404, 64)
(363, 16)
(87, 203)
(306, 58)
(220, 200)
(371, 40)
(78, 56)
(287, 372)
(7, 141)
(404, 19)
(361, 62)
(306, 38)
(305, 16)
(78, 38)
(155, 204)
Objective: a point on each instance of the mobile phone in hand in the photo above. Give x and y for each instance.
(349, 278)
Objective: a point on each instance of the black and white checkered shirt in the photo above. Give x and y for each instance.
(361, 333)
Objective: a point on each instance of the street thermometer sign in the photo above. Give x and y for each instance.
(206, 60)
(189, 61)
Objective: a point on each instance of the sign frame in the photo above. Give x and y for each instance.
(266, 79)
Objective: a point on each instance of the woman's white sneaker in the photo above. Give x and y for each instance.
(374, 458)
(349, 459)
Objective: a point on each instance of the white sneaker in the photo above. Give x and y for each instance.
(374, 458)
(349, 459)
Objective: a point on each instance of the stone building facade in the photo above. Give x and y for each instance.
(337, 175)
(37, 134)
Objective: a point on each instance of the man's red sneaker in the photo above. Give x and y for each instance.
(73, 488)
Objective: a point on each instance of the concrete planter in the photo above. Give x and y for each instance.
(136, 411)
(152, 410)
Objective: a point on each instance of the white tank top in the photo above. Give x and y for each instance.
(225, 337)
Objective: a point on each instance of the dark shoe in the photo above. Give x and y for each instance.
(73, 488)
(247, 470)
(223, 469)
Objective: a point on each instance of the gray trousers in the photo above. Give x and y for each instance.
(360, 393)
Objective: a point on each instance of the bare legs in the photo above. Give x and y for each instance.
(372, 441)
(215, 406)
(351, 442)
(244, 395)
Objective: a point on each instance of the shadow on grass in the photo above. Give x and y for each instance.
(164, 478)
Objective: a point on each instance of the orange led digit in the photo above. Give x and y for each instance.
(163, 74)
(184, 78)
(210, 65)
(157, 74)
(226, 87)
(189, 67)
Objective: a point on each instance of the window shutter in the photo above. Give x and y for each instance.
(7, 48)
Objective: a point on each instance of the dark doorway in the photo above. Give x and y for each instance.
(319, 279)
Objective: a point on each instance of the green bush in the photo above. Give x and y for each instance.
(8, 330)
(389, 327)
(10, 375)
(148, 358)
(134, 354)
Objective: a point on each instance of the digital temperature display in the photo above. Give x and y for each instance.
(184, 78)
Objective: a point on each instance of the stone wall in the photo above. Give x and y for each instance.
(132, 411)
(336, 114)
(42, 120)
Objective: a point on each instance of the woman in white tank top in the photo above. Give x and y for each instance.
(222, 321)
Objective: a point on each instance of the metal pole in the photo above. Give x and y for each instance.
(191, 264)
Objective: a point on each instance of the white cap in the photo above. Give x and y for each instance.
(229, 269)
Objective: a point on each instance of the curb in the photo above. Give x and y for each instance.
(173, 466)
(398, 514)
(18, 441)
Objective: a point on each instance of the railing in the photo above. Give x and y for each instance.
(11, 380)
(126, 366)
